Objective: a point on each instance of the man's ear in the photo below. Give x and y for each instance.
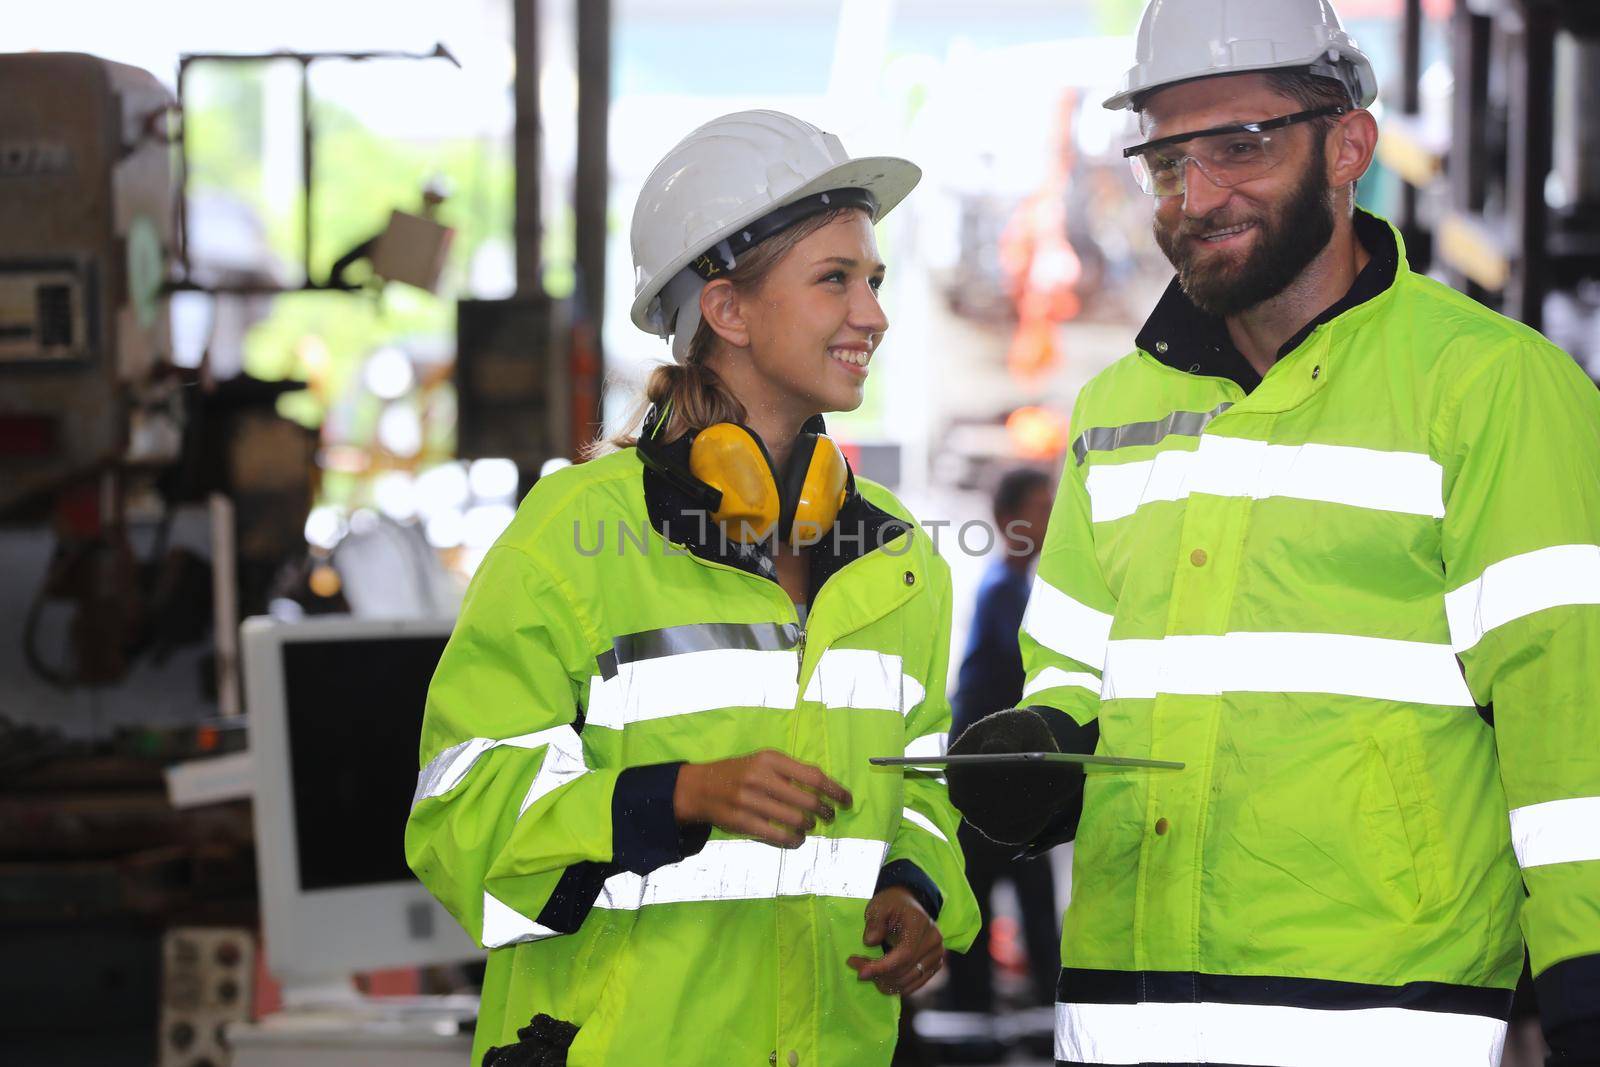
(1353, 143)
(722, 309)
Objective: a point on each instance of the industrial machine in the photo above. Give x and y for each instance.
(87, 211)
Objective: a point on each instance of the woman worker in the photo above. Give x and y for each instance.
(645, 783)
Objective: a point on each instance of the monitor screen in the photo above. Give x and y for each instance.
(335, 708)
(354, 714)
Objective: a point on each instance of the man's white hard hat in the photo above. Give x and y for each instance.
(719, 181)
(1180, 40)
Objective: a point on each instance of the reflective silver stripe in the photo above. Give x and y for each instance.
(1556, 831)
(1109, 438)
(703, 666)
(862, 678)
(1065, 625)
(1055, 677)
(754, 870)
(503, 925)
(1375, 667)
(563, 762)
(446, 770)
(700, 637)
(1559, 576)
(1404, 482)
(916, 818)
(710, 680)
(1268, 1033)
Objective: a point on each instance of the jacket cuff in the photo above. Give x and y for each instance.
(908, 875)
(645, 834)
(1569, 1009)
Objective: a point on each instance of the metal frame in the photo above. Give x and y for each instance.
(185, 282)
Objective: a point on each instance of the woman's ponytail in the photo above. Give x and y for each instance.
(698, 396)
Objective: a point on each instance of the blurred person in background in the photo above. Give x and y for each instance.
(1330, 537)
(645, 784)
(990, 678)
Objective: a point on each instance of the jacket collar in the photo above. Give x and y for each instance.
(860, 527)
(1187, 339)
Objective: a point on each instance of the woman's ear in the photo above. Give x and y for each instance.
(722, 309)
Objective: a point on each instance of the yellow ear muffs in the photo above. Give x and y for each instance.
(814, 486)
(732, 460)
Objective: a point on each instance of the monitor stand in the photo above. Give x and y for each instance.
(327, 1022)
(302, 992)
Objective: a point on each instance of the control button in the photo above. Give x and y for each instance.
(1162, 825)
(1198, 557)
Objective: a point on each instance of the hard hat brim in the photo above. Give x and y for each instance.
(1124, 99)
(889, 179)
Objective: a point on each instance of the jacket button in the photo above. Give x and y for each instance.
(1198, 557)
(911, 579)
(772, 1058)
(794, 1058)
(1162, 825)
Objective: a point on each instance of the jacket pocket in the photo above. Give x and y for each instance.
(1398, 822)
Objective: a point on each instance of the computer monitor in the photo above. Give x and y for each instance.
(335, 713)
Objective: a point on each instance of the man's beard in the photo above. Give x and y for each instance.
(1288, 241)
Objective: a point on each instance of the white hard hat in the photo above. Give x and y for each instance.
(717, 184)
(1184, 39)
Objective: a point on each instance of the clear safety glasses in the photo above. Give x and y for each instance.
(1227, 155)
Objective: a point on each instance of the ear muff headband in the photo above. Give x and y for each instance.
(706, 496)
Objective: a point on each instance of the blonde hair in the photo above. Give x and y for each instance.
(697, 394)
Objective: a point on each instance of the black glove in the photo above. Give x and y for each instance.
(1012, 803)
(542, 1043)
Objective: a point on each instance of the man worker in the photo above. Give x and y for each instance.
(1330, 537)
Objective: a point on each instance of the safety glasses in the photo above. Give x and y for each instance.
(1227, 155)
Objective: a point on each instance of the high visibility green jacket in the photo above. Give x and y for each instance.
(605, 639)
(1360, 599)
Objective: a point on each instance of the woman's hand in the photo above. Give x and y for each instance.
(916, 949)
(765, 795)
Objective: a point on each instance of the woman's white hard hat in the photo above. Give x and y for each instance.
(721, 179)
(1180, 40)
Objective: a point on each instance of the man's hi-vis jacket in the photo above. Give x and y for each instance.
(1360, 599)
(592, 655)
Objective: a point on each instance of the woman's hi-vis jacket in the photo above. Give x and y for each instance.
(1360, 599)
(593, 653)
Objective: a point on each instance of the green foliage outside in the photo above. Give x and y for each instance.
(360, 177)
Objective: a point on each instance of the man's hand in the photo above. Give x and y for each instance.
(916, 947)
(765, 795)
